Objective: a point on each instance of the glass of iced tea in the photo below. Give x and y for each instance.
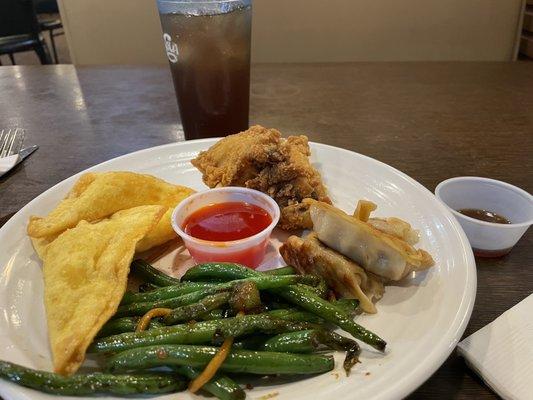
(208, 47)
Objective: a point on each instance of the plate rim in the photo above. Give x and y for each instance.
(444, 347)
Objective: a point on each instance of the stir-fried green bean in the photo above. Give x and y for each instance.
(293, 342)
(245, 297)
(288, 270)
(296, 294)
(147, 287)
(191, 312)
(220, 386)
(238, 361)
(262, 281)
(95, 383)
(152, 275)
(311, 302)
(166, 292)
(204, 332)
(125, 324)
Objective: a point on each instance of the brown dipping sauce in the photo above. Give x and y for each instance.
(484, 215)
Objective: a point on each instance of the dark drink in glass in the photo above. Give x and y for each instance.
(208, 47)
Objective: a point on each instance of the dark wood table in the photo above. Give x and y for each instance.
(431, 120)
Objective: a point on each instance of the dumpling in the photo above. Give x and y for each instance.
(378, 252)
(396, 227)
(344, 276)
(392, 225)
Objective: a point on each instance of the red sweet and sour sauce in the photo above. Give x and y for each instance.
(223, 222)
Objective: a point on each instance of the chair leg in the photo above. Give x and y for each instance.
(54, 50)
(12, 58)
(42, 51)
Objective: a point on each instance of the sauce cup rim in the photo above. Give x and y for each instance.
(441, 185)
(230, 243)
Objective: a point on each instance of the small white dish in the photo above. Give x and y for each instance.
(488, 239)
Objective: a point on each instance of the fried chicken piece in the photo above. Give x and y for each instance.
(311, 256)
(261, 159)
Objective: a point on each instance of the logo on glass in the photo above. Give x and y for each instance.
(171, 48)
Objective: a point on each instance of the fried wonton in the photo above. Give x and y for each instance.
(97, 195)
(85, 276)
(344, 276)
(259, 158)
(381, 253)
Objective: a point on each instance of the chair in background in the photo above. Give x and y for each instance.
(52, 25)
(20, 31)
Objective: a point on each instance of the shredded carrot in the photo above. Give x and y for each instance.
(146, 318)
(211, 369)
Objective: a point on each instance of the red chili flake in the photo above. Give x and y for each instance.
(249, 386)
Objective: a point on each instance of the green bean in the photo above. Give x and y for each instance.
(222, 271)
(197, 333)
(338, 342)
(150, 274)
(147, 287)
(245, 297)
(220, 386)
(349, 306)
(238, 361)
(126, 324)
(165, 292)
(296, 315)
(310, 340)
(293, 342)
(311, 302)
(321, 289)
(288, 270)
(193, 311)
(95, 383)
(262, 282)
(252, 342)
(297, 294)
(217, 314)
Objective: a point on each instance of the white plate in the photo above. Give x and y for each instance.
(421, 319)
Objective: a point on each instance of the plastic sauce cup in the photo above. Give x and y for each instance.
(249, 251)
(488, 239)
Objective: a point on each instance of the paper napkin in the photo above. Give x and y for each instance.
(6, 163)
(502, 352)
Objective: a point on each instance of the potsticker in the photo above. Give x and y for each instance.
(384, 254)
(85, 276)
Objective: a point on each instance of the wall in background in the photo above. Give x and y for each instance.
(128, 31)
(112, 31)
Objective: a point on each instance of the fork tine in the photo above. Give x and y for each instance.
(11, 143)
(5, 143)
(15, 143)
(2, 141)
(20, 141)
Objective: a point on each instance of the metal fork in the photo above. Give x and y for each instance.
(11, 141)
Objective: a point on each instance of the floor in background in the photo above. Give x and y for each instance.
(29, 57)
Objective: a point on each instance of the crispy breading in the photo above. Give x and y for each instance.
(97, 195)
(85, 276)
(261, 159)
